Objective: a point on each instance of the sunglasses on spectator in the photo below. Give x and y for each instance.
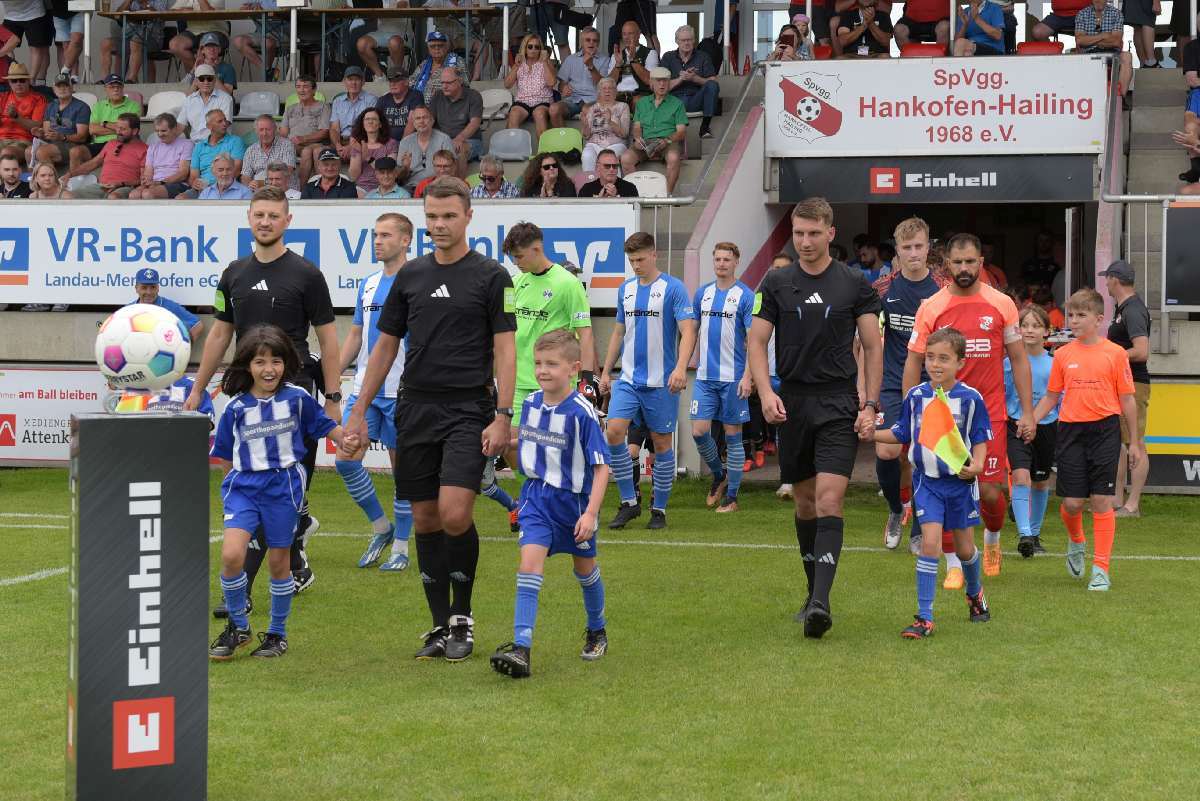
(533, 47)
(18, 80)
(490, 178)
(608, 166)
(548, 167)
(205, 78)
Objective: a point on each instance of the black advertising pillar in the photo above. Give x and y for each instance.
(137, 673)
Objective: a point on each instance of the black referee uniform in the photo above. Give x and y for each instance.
(449, 314)
(815, 319)
(289, 292)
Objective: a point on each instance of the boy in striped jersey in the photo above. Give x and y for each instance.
(724, 308)
(562, 451)
(945, 501)
(393, 233)
(652, 308)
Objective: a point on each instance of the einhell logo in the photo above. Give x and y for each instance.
(808, 111)
(885, 181)
(143, 733)
(8, 430)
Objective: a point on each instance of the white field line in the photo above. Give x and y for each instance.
(36, 516)
(35, 576)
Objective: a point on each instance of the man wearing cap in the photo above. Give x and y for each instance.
(388, 189)
(329, 183)
(103, 125)
(306, 124)
(458, 113)
(346, 109)
(21, 110)
(211, 52)
(219, 140)
(120, 162)
(146, 284)
(400, 100)
(659, 126)
(194, 113)
(1130, 328)
(186, 45)
(64, 125)
(270, 148)
(427, 77)
(31, 21)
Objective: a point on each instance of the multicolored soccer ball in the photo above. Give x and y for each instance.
(142, 347)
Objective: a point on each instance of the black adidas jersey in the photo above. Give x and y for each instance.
(289, 292)
(449, 314)
(815, 317)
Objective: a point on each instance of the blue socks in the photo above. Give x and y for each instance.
(361, 489)
(281, 604)
(1037, 509)
(403, 512)
(622, 471)
(971, 574)
(497, 494)
(927, 568)
(664, 478)
(707, 447)
(593, 598)
(529, 586)
(1020, 506)
(234, 590)
(887, 471)
(735, 456)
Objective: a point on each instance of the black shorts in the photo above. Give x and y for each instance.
(1087, 456)
(441, 446)
(94, 148)
(35, 32)
(1139, 12)
(817, 437)
(920, 31)
(528, 108)
(1060, 24)
(1038, 456)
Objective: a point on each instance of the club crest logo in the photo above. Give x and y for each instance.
(985, 323)
(808, 111)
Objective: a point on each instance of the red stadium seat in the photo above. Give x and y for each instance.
(1039, 48)
(922, 50)
(822, 52)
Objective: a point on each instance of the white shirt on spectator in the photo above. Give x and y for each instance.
(195, 109)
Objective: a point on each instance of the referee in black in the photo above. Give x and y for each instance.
(455, 306)
(275, 286)
(814, 307)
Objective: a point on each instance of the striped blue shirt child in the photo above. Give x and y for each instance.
(560, 445)
(258, 434)
(970, 415)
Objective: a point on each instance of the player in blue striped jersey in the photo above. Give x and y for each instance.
(947, 502)
(562, 451)
(261, 435)
(393, 234)
(724, 308)
(652, 310)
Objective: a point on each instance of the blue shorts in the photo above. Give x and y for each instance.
(1193, 101)
(950, 501)
(381, 419)
(655, 408)
(718, 400)
(266, 499)
(890, 401)
(776, 383)
(547, 516)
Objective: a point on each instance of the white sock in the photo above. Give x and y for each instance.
(953, 562)
(399, 547)
(381, 525)
(991, 537)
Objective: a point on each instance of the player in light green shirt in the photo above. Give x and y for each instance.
(546, 296)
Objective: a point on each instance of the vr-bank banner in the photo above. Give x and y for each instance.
(87, 252)
(939, 106)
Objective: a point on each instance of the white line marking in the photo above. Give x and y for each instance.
(34, 525)
(36, 576)
(38, 516)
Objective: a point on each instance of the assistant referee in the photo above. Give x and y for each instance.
(275, 286)
(455, 306)
(815, 307)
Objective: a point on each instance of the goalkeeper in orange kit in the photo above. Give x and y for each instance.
(945, 424)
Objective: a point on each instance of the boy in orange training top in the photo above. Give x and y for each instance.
(1092, 377)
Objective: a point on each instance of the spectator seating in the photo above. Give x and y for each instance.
(511, 144)
(473, 180)
(169, 102)
(89, 98)
(1039, 48)
(822, 52)
(582, 178)
(496, 103)
(79, 181)
(136, 96)
(254, 103)
(561, 140)
(922, 50)
(649, 184)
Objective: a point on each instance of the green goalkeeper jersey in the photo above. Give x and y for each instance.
(554, 299)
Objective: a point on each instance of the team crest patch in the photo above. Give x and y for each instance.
(985, 322)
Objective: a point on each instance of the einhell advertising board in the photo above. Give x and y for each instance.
(137, 671)
(939, 106)
(996, 179)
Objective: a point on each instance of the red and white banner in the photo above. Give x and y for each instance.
(940, 106)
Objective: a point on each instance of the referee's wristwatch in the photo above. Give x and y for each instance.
(873, 404)
(336, 397)
(506, 411)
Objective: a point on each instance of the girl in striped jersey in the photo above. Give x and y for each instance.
(261, 437)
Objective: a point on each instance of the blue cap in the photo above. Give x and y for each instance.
(147, 276)
(112, 78)
(436, 36)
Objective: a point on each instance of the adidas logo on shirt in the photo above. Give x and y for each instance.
(827, 559)
(261, 285)
(814, 298)
(440, 292)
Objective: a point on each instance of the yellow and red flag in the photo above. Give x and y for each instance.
(940, 434)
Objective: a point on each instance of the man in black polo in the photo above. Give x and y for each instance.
(814, 307)
(329, 183)
(1130, 328)
(455, 306)
(276, 286)
(609, 182)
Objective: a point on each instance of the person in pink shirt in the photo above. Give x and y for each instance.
(535, 79)
(168, 162)
(120, 162)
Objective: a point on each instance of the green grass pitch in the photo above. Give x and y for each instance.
(709, 690)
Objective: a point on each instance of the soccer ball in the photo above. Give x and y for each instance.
(142, 347)
(808, 109)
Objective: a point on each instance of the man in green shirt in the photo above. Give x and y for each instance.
(103, 125)
(546, 297)
(659, 127)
